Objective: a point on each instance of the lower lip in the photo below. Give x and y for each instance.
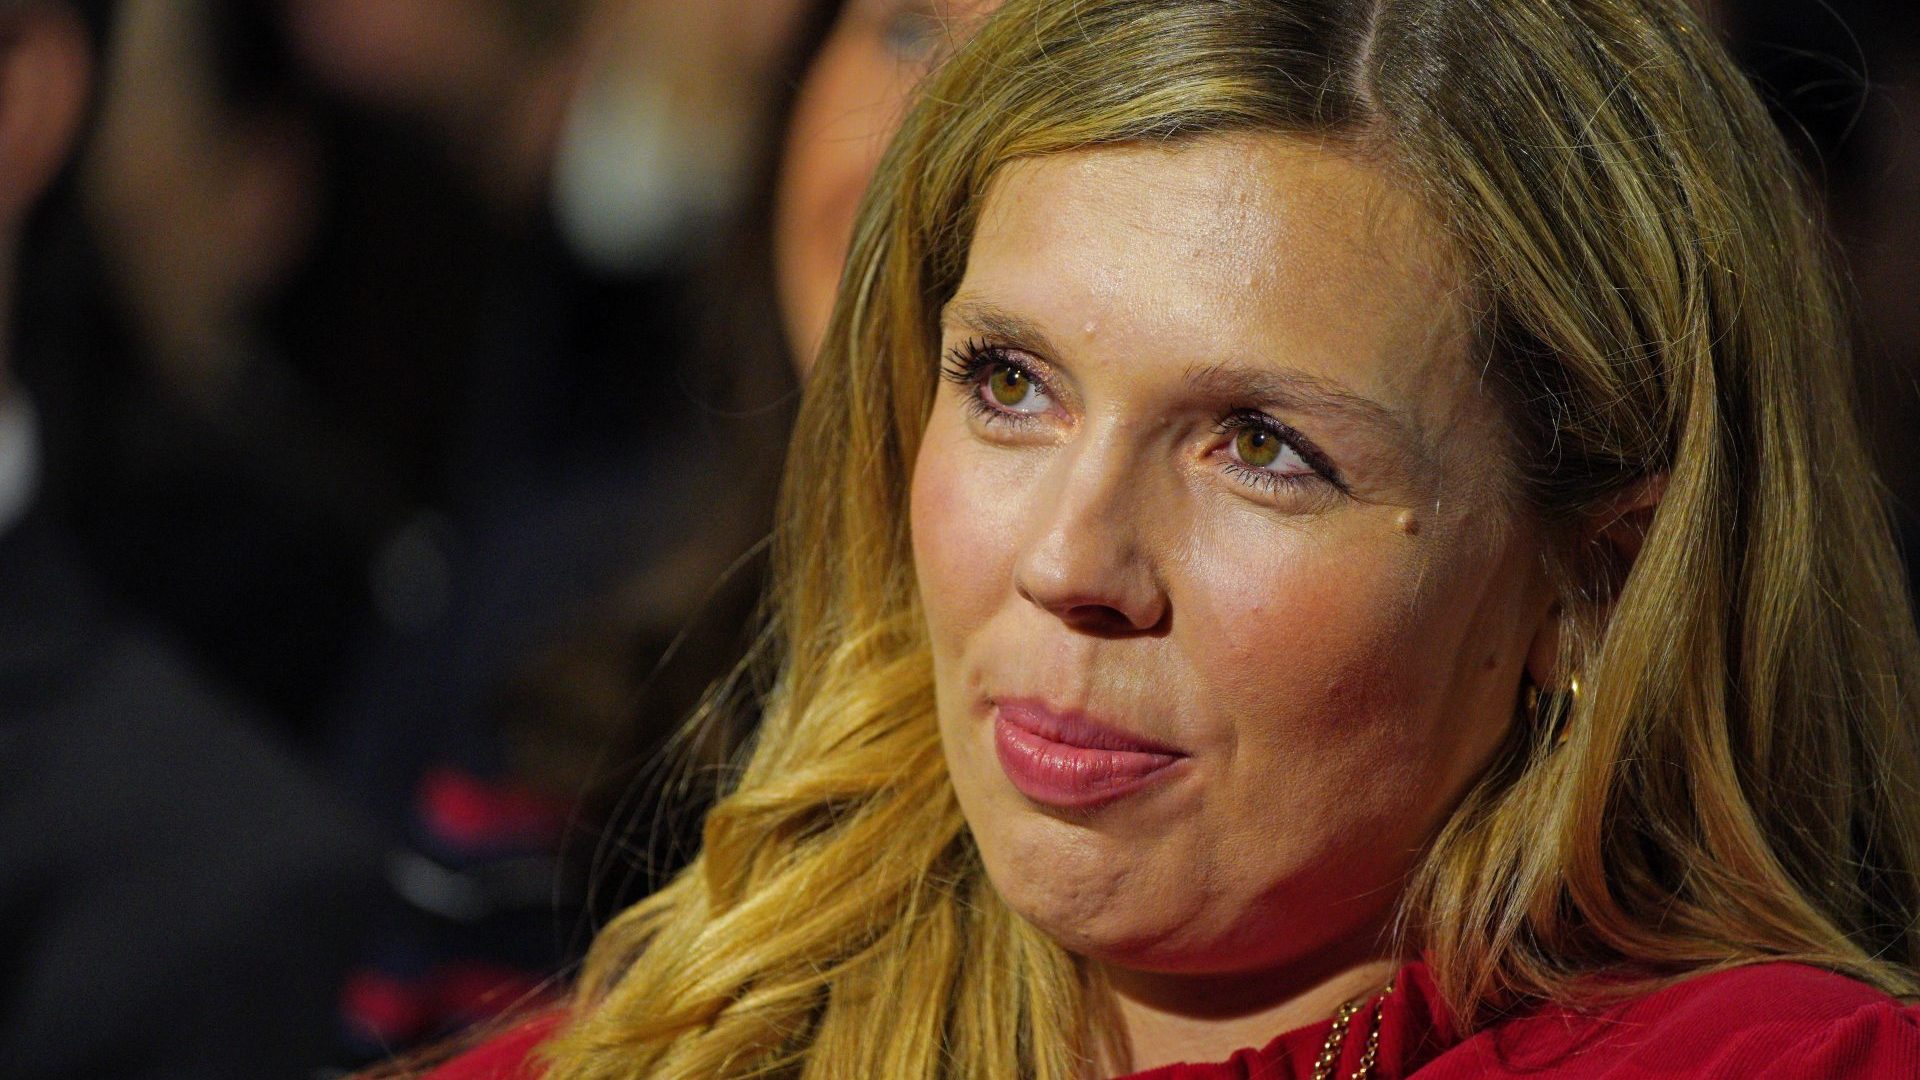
(1070, 777)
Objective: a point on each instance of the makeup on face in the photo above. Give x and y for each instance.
(1196, 689)
(1069, 760)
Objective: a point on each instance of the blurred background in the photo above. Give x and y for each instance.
(392, 404)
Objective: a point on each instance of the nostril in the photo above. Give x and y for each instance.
(1107, 620)
(1097, 618)
(1093, 582)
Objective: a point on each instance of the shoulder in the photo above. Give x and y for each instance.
(1774, 1021)
(1768, 994)
(1788, 1021)
(507, 1056)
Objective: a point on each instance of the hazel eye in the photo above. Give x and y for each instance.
(1256, 448)
(1014, 389)
(1260, 448)
(1265, 454)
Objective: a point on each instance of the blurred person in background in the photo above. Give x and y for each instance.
(371, 397)
(589, 425)
(177, 892)
(209, 481)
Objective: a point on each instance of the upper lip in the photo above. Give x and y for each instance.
(1075, 727)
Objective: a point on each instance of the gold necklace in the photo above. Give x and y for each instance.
(1323, 1066)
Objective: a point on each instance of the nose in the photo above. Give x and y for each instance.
(1086, 555)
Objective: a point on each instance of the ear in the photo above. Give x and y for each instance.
(1612, 538)
(1543, 653)
(1621, 525)
(46, 68)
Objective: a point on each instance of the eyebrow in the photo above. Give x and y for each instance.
(1254, 387)
(997, 322)
(1301, 391)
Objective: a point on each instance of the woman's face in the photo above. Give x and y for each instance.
(1211, 522)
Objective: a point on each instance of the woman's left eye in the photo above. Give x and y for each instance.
(1261, 448)
(1267, 454)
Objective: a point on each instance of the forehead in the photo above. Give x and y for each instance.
(1252, 249)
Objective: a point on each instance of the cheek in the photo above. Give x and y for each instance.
(1347, 668)
(959, 516)
(1294, 616)
(1313, 656)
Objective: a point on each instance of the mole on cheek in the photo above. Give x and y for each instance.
(1408, 523)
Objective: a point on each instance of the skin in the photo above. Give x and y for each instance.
(1338, 660)
(850, 102)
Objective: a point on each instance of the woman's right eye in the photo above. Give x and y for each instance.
(998, 386)
(1014, 389)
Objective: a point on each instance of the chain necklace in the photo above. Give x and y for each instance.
(1323, 1066)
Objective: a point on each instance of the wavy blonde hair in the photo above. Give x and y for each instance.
(1656, 303)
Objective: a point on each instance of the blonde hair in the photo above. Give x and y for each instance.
(1656, 304)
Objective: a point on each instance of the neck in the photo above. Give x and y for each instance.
(1168, 1018)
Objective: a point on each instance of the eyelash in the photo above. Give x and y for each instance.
(1252, 419)
(968, 365)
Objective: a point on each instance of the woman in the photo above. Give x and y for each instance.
(1326, 538)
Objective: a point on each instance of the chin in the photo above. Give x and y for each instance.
(1097, 895)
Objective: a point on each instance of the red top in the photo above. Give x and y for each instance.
(1762, 1022)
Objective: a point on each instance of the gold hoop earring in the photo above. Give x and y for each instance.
(1550, 709)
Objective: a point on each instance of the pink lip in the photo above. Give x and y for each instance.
(1068, 760)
